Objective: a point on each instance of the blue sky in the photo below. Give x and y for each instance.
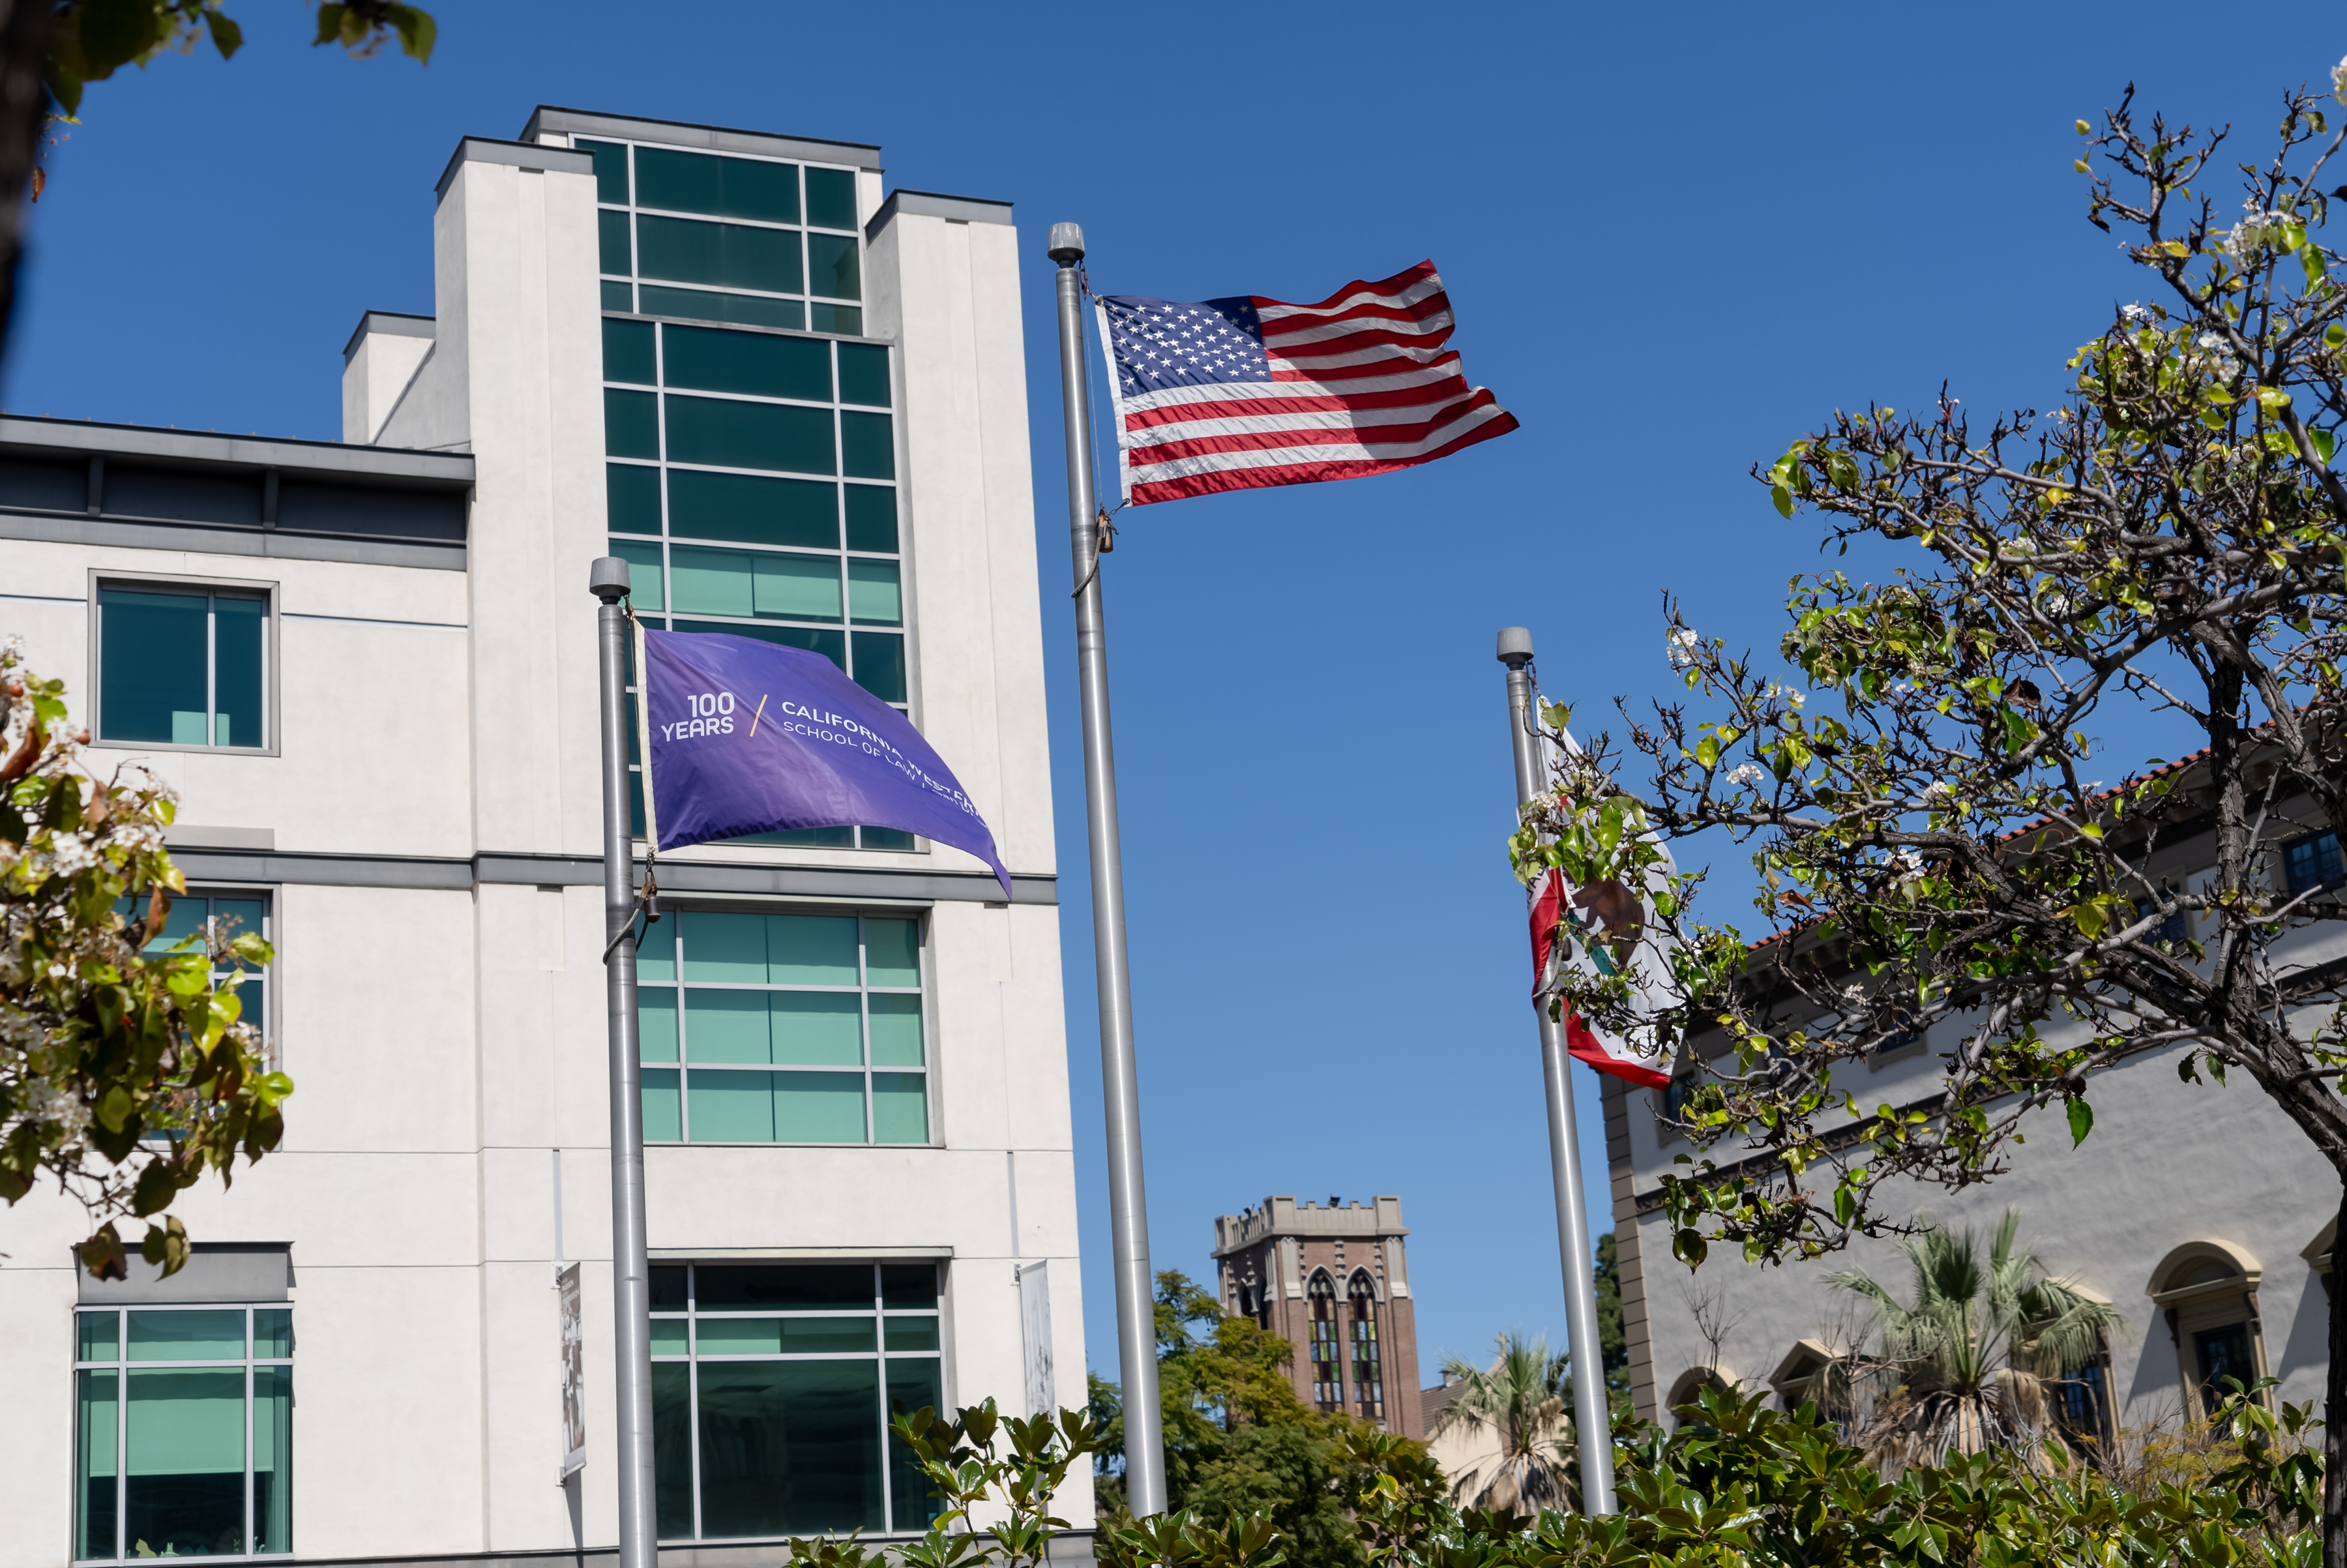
(1676, 239)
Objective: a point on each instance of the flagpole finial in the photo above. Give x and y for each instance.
(1515, 646)
(1067, 246)
(607, 579)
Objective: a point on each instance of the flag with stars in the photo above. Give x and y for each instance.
(1230, 394)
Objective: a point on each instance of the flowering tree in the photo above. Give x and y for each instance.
(1922, 802)
(126, 1074)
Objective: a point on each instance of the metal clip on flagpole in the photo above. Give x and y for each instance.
(631, 1336)
(1593, 1421)
(1136, 1309)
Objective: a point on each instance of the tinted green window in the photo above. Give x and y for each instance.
(610, 170)
(238, 628)
(631, 499)
(880, 664)
(758, 364)
(182, 667)
(756, 511)
(864, 374)
(895, 1030)
(700, 305)
(631, 423)
(188, 1455)
(901, 1108)
(892, 952)
(831, 198)
(874, 595)
(754, 582)
(645, 587)
(871, 518)
(785, 1287)
(831, 267)
(797, 1432)
(728, 255)
(748, 435)
(786, 1367)
(151, 655)
(867, 445)
(618, 295)
(823, 318)
(724, 187)
(612, 243)
(627, 353)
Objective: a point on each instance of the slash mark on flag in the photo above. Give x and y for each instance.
(758, 715)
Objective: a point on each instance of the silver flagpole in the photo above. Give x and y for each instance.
(1593, 1423)
(1128, 1207)
(631, 1336)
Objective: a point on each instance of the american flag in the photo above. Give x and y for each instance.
(1230, 394)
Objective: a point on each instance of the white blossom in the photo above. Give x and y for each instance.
(1747, 774)
(2134, 313)
(2339, 79)
(1682, 644)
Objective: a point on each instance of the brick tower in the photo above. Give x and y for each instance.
(1334, 1282)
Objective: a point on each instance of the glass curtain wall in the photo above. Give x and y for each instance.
(751, 472)
(772, 1386)
(183, 1439)
(782, 1028)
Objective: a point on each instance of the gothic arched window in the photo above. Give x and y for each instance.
(1369, 1376)
(1327, 1346)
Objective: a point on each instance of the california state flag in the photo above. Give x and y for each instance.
(1610, 929)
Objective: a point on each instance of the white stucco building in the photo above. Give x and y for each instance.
(2200, 1211)
(797, 403)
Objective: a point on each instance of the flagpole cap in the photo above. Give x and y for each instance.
(607, 579)
(1067, 246)
(1515, 646)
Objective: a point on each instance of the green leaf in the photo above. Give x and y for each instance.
(417, 32)
(1707, 751)
(1783, 498)
(227, 37)
(2324, 443)
(117, 32)
(330, 25)
(2082, 1121)
(2311, 257)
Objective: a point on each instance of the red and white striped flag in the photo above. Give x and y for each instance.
(1234, 394)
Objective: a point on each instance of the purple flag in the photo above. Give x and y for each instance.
(742, 736)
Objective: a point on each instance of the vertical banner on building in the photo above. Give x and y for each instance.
(1035, 1329)
(574, 1373)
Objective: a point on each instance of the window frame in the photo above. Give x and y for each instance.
(122, 1366)
(268, 974)
(929, 1070)
(273, 661)
(692, 1358)
(2292, 887)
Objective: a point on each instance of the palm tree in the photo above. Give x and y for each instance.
(1986, 1333)
(1519, 1399)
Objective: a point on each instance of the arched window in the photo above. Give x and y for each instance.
(1691, 1383)
(1796, 1379)
(1327, 1343)
(1369, 1376)
(2208, 1291)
